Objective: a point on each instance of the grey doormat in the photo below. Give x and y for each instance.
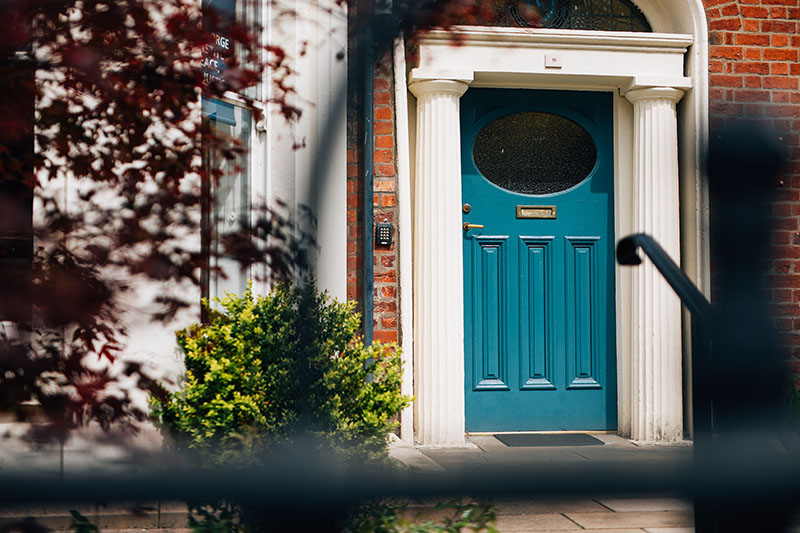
(547, 439)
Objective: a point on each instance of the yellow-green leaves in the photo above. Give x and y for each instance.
(267, 368)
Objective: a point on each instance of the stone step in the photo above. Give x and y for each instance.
(171, 517)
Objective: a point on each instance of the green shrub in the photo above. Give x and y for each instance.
(267, 369)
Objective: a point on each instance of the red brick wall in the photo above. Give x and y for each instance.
(753, 62)
(385, 203)
(754, 67)
(386, 294)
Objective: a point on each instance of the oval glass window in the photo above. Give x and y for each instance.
(534, 153)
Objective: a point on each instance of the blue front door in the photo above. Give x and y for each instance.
(539, 342)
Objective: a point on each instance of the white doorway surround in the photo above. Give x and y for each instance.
(655, 192)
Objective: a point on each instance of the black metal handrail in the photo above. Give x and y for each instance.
(736, 368)
(687, 291)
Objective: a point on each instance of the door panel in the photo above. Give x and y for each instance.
(489, 265)
(538, 277)
(536, 310)
(583, 316)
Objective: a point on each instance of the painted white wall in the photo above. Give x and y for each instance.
(306, 161)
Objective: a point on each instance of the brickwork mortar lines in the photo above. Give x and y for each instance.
(754, 72)
(385, 264)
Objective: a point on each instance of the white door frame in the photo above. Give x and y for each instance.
(649, 73)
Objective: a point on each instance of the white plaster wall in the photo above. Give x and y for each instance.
(145, 341)
(151, 343)
(306, 161)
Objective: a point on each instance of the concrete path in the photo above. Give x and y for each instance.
(598, 514)
(487, 450)
(607, 515)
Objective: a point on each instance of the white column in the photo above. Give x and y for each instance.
(405, 251)
(438, 274)
(656, 410)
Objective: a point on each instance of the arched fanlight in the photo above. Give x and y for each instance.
(607, 15)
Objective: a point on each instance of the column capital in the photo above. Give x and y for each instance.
(425, 87)
(655, 93)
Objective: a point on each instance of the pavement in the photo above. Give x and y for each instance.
(482, 454)
(88, 450)
(606, 514)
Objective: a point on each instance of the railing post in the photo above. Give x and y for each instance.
(736, 369)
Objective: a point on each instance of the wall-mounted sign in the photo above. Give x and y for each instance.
(215, 54)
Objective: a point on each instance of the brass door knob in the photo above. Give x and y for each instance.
(467, 226)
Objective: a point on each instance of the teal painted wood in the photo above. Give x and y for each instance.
(539, 313)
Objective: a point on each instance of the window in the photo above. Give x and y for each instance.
(534, 153)
(226, 216)
(227, 209)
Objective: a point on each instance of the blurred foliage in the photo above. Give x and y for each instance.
(100, 123)
(81, 523)
(389, 517)
(218, 517)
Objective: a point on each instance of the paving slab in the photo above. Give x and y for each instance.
(615, 441)
(536, 522)
(626, 530)
(455, 457)
(413, 458)
(581, 530)
(633, 519)
(615, 449)
(624, 505)
(547, 457)
(562, 505)
(669, 530)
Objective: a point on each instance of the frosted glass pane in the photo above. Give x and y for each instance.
(534, 153)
